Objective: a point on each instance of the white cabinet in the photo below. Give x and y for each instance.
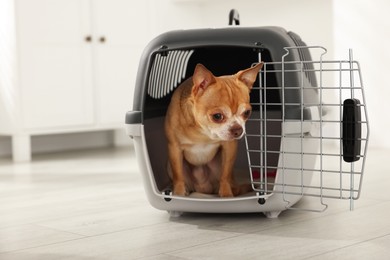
(76, 66)
(119, 39)
(55, 63)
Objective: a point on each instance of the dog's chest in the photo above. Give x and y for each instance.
(200, 154)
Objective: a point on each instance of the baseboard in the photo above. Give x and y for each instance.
(64, 142)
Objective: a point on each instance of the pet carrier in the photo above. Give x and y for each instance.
(289, 147)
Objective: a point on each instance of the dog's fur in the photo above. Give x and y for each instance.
(205, 118)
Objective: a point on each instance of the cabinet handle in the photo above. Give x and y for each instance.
(88, 38)
(102, 39)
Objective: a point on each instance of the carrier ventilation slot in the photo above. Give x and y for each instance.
(168, 70)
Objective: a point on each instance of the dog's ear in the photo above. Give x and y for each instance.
(249, 76)
(202, 78)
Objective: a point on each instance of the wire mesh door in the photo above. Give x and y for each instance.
(313, 140)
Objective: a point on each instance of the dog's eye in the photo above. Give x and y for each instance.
(217, 117)
(246, 114)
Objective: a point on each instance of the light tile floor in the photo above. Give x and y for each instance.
(91, 205)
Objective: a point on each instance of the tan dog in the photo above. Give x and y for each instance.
(205, 118)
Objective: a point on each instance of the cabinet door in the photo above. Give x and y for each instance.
(55, 63)
(122, 30)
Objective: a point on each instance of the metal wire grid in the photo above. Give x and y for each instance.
(307, 152)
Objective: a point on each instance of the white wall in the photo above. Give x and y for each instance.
(311, 19)
(7, 68)
(365, 27)
(168, 15)
(8, 65)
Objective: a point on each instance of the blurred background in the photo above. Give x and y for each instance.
(68, 67)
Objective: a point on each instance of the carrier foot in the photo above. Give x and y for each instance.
(175, 214)
(272, 214)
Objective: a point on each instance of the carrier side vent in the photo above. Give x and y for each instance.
(167, 72)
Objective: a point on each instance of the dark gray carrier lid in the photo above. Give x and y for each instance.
(274, 39)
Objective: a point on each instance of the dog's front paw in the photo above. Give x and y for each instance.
(225, 190)
(179, 189)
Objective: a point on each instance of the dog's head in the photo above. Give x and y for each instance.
(221, 104)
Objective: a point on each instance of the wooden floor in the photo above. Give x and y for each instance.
(91, 205)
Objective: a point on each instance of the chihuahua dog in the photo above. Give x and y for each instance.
(204, 121)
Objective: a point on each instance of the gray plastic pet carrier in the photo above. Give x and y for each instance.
(297, 142)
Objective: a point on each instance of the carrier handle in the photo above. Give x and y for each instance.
(351, 130)
(234, 17)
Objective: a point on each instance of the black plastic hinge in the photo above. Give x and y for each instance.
(164, 50)
(259, 47)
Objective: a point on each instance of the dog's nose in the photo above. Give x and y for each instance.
(236, 131)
